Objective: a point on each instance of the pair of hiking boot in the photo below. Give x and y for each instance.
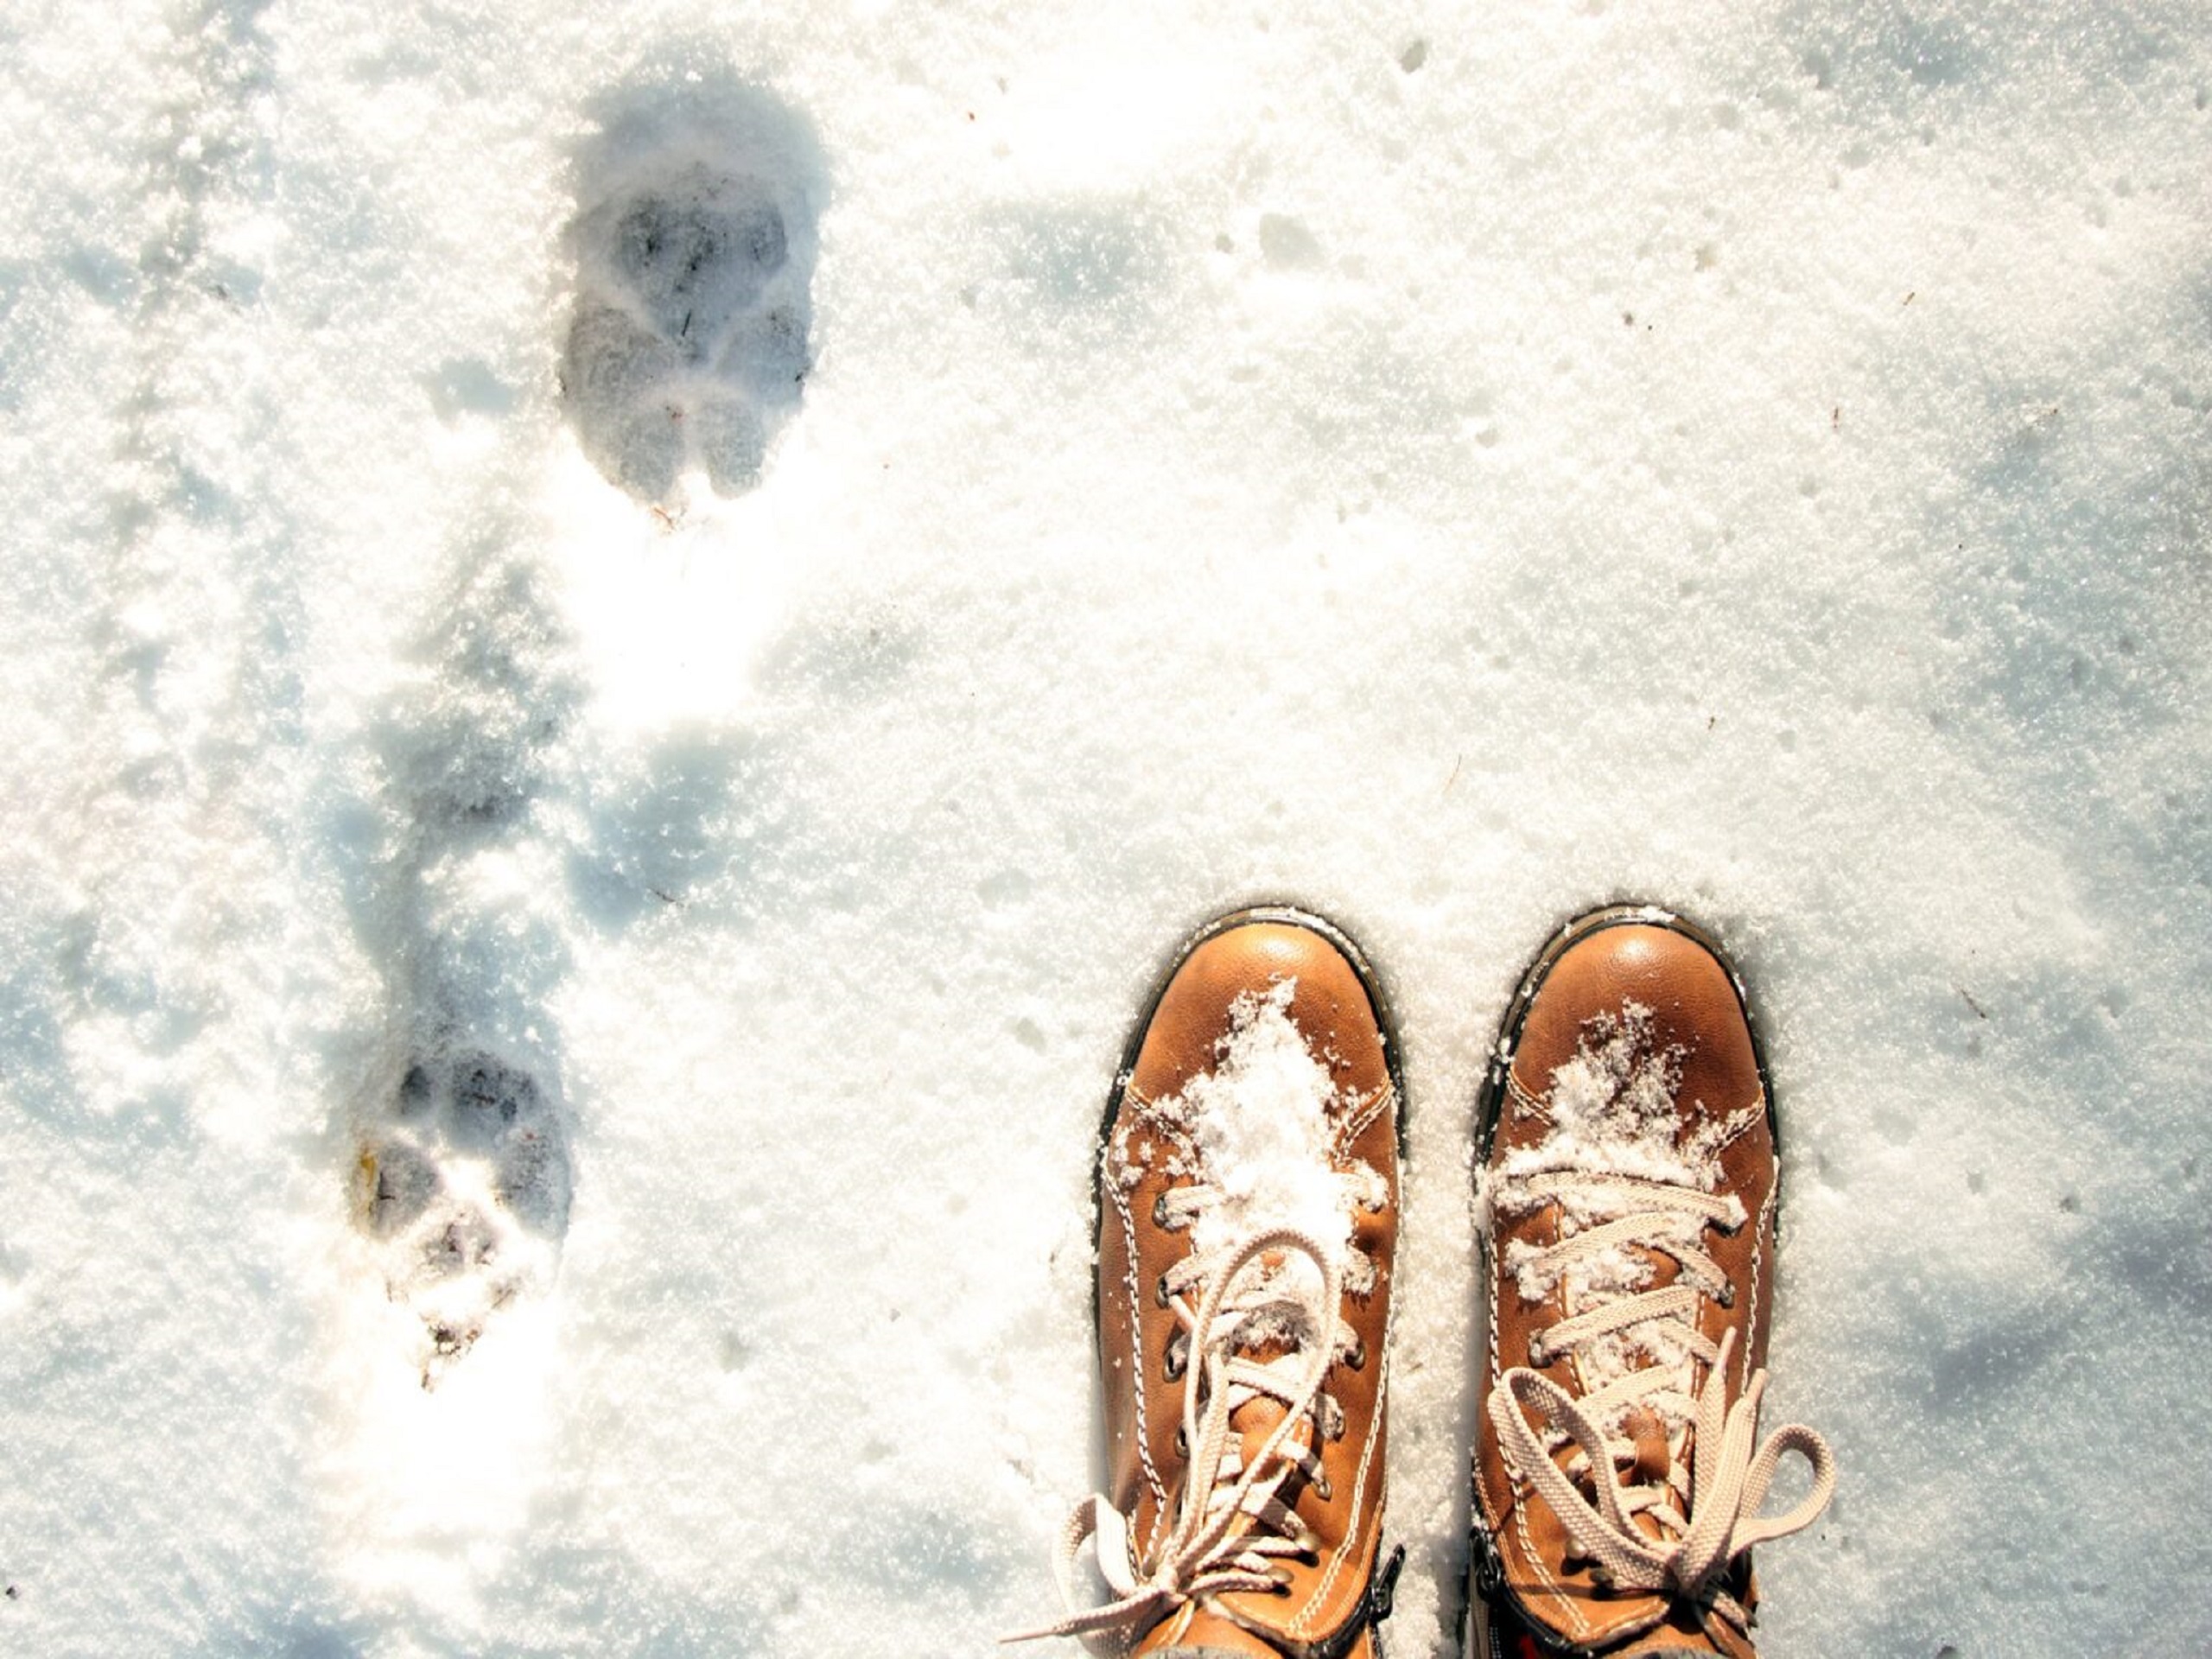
(1248, 1221)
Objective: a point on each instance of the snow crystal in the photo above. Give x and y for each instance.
(1619, 1084)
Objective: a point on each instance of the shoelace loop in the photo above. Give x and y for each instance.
(1225, 1528)
(1709, 1520)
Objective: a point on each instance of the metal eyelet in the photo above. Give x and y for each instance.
(1174, 1362)
(1727, 1296)
(1160, 1292)
(1357, 1359)
(1160, 1210)
(1182, 1443)
(1322, 1490)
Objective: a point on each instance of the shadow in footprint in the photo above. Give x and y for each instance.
(663, 823)
(458, 1148)
(464, 1185)
(694, 242)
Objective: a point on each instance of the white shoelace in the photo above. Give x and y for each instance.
(1708, 1514)
(1226, 1527)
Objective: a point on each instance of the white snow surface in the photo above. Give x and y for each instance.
(1444, 468)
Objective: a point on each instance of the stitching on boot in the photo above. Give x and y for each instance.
(1136, 1347)
(1366, 1114)
(1529, 1105)
(1554, 1591)
(1359, 1485)
(1759, 1258)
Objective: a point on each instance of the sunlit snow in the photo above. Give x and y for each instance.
(630, 632)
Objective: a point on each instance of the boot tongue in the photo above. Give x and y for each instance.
(1648, 1434)
(1257, 1417)
(1268, 1344)
(1646, 1431)
(1253, 1422)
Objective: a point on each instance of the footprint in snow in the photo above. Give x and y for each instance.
(688, 346)
(464, 1185)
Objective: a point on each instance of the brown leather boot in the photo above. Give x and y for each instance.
(1626, 1203)
(1247, 1190)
